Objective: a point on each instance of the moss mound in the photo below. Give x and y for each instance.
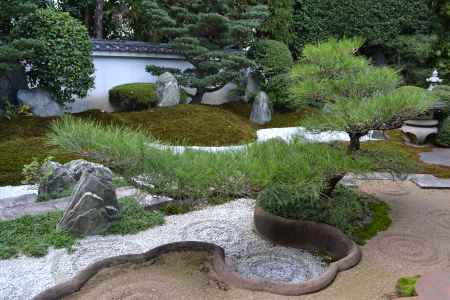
(24, 138)
(406, 286)
(443, 137)
(133, 96)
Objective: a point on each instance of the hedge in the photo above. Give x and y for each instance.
(133, 96)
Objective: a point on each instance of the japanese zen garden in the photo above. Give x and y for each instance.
(225, 149)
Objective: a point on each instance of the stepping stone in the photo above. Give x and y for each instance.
(439, 156)
(426, 181)
(434, 286)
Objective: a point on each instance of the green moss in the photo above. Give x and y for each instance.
(133, 96)
(34, 235)
(396, 143)
(406, 286)
(381, 221)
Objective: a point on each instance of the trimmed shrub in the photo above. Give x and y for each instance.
(274, 61)
(133, 96)
(272, 57)
(61, 63)
(443, 137)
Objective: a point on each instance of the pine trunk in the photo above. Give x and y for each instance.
(355, 144)
(98, 19)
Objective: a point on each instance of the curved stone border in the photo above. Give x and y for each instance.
(263, 135)
(222, 272)
(311, 236)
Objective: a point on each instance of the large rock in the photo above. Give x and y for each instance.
(77, 167)
(93, 207)
(252, 87)
(261, 111)
(59, 180)
(168, 90)
(229, 93)
(41, 103)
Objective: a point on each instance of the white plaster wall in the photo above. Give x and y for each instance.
(114, 70)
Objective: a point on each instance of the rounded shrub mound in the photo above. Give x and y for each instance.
(274, 61)
(443, 137)
(133, 96)
(272, 57)
(61, 62)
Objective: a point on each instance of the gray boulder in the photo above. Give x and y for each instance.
(168, 90)
(59, 180)
(229, 93)
(252, 87)
(261, 111)
(93, 207)
(77, 167)
(41, 102)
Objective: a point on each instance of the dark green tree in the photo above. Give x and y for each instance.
(210, 34)
(279, 25)
(62, 62)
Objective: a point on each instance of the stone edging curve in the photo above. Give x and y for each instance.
(222, 269)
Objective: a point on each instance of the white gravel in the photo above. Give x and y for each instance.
(17, 191)
(229, 225)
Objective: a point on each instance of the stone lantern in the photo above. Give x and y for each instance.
(434, 80)
(418, 132)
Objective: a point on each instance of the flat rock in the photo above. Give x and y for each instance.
(151, 202)
(426, 181)
(439, 156)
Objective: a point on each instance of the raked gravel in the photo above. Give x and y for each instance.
(229, 225)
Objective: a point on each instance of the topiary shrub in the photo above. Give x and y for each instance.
(133, 96)
(61, 63)
(272, 57)
(274, 61)
(443, 137)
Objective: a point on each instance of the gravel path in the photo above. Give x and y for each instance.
(229, 226)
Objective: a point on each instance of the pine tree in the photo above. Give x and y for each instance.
(210, 35)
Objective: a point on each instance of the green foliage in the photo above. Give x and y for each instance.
(196, 175)
(273, 60)
(347, 209)
(32, 172)
(376, 21)
(202, 32)
(34, 235)
(62, 63)
(413, 55)
(380, 221)
(354, 95)
(133, 96)
(406, 286)
(134, 218)
(279, 24)
(443, 137)
(442, 93)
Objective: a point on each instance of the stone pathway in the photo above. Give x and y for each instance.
(418, 242)
(439, 156)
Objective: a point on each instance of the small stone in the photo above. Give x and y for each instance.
(168, 90)
(226, 94)
(261, 111)
(41, 103)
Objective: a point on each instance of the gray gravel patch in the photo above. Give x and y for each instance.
(229, 225)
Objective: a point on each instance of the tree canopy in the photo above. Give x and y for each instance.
(212, 36)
